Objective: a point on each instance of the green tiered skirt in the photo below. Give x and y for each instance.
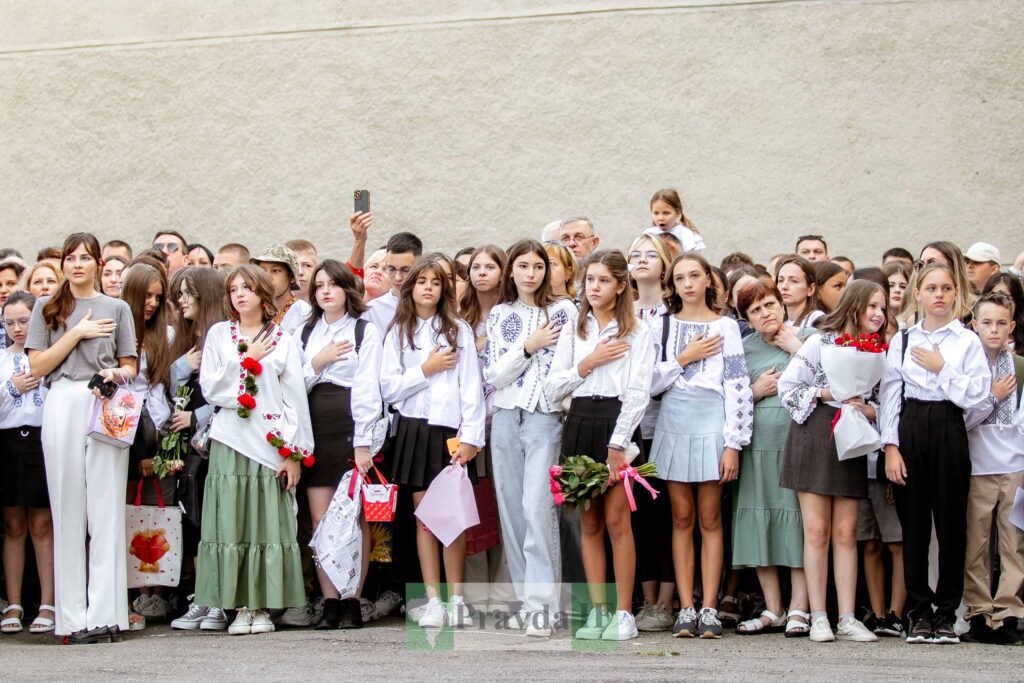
(248, 553)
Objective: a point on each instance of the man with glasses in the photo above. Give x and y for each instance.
(578, 235)
(402, 251)
(173, 246)
(812, 248)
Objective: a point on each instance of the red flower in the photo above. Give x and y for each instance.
(247, 401)
(270, 437)
(251, 365)
(284, 452)
(308, 461)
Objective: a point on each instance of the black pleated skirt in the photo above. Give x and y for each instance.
(420, 452)
(22, 470)
(590, 425)
(330, 411)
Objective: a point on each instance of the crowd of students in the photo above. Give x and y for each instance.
(550, 348)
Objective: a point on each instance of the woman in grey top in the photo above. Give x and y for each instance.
(74, 335)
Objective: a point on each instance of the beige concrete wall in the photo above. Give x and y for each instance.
(875, 123)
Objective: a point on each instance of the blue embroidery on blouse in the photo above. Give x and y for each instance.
(511, 327)
(734, 366)
(560, 317)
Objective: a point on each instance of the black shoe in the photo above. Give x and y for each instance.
(870, 621)
(351, 614)
(942, 631)
(1006, 634)
(331, 615)
(980, 631)
(100, 634)
(889, 625)
(921, 631)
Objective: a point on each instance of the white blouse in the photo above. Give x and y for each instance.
(296, 317)
(965, 379)
(994, 432)
(800, 385)
(724, 373)
(628, 378)
(280, 398)
(690, 240)
(451, 398)
(157, 404)
(16, 409)
(381, 311)
(357, 371)
(808, 321)
(519, 380)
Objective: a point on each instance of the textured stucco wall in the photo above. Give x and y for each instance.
(875, 123)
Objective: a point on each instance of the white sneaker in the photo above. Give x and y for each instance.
(261, 622)
(299, 616)
(821, 631)
(193, 619)
(141, 602)
(459, 615)
(156, 608)
(597, 621)
(387, 603)
(856, 631)
(653, 618)
(622, 627)
(215, 620)
(434, 614)
(242, 625)
(538, 625)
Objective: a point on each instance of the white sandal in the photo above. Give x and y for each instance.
(752, 627)
(798, 629)
(43, 624)
(13, 624)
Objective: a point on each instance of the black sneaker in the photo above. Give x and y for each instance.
(1006, 634)
(942, 631)
(921, 631)
(980, 631)
(686, 623)
(708, 625)
(870, 621)
(889, 625)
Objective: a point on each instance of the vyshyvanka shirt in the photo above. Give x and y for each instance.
(17, 409)
(995, 429)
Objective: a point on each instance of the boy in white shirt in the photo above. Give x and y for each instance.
(997, 469)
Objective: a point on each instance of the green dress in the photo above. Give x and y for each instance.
(248, 555)
(767, 529)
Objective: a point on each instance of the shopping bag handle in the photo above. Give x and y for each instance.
(156, 485)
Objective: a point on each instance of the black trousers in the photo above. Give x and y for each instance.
(933, 442)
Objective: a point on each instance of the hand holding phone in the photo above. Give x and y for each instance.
(101, 387)
(362, 201)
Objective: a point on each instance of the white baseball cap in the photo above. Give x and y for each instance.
(983, 252)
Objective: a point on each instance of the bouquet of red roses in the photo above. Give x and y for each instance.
(580, 478)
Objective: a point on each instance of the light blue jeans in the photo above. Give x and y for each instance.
(524, 446)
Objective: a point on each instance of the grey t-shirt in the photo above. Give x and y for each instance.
(90, 355)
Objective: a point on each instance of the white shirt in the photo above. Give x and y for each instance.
(157, 404)
(451, 398)
(809, 319)
(357, 371)
(647, 314)
(724, 373)
(18, 410)
(280, 398)
(518, 380)
(964, 379)
(801, 383)
(381, 311)
(628, 378)
(690, 240)
(996, 441)
(296, 317)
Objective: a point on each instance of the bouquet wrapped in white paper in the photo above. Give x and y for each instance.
(853, 367)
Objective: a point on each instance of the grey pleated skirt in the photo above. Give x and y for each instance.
(688, 438)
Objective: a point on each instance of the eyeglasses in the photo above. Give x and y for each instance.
(576, 238)
(646, 255)
(167, 247)
(19, 322)
(185, 297)
(919, 264)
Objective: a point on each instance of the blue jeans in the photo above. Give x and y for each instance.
(524, 446)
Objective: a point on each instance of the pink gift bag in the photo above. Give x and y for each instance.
(449, 507)
(115, 419)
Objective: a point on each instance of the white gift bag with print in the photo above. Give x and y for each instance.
(154, 541)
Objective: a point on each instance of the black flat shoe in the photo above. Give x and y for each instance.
(100, 634)
(331, 615)
(351, 614)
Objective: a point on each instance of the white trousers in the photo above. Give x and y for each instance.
(86, 479)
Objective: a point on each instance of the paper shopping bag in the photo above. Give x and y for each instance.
(449, 507)
(115, 419)
(154, 541)
(337, 542)
(854, 435)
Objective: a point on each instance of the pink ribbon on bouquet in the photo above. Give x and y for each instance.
(628, 475)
